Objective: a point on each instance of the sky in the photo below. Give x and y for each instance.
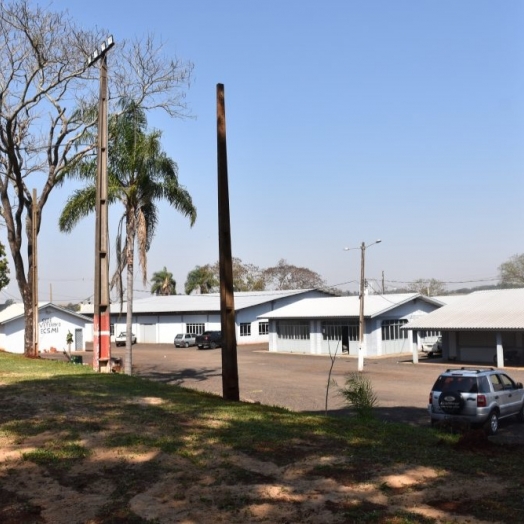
(347, 122)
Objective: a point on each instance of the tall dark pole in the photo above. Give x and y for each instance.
(361, 323)
(230, 388)
(101, 320)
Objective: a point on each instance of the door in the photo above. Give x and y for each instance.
(79, 339)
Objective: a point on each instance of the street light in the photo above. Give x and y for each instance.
(361, 322)
(101, 317)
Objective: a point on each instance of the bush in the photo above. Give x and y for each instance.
(359, 394)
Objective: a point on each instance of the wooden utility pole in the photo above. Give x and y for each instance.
(230, 388)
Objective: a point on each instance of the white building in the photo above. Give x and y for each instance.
(329, 325)
(482, 327)
(157, 319)
(54, 323)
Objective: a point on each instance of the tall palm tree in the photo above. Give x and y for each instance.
(202, 278)
(163, 283)
(139, 174)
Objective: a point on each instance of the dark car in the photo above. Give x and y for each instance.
(477, 397)
(209, 339)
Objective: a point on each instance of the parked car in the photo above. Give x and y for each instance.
(479, 397)
(121, 339)
(433, 349)
(209, 339)
(184, 340)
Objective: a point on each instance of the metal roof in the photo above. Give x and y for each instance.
(199, 303)
(343, 307)
(16, 310)
(482, 310)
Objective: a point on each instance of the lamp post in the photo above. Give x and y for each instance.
(361, 321)
(101, 319)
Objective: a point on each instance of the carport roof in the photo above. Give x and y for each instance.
(344, 307)
(483, 310)
(200, 303)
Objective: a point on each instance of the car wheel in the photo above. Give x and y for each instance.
(212, 345)
(520, 414)
(186, 345)
(492, 424)
(451, 402)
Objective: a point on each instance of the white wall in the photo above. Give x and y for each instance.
(53, 326)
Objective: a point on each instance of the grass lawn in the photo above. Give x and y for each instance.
(82, 447)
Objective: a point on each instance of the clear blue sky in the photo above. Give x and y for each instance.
(346, 122)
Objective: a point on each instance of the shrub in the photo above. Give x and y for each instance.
(359, 394)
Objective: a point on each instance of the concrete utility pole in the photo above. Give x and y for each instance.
(34, 276)
(230, 387)
(101, 319)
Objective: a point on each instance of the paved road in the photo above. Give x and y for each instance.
(298, 382)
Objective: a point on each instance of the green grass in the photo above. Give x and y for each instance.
(58, 409)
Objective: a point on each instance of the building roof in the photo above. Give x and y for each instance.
(199, 303)
(343, 307)
(501, 309)
(16, 310)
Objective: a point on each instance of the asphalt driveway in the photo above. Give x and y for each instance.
(299, 382)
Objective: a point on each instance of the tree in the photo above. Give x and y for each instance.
(4, 268)
(202, 278)
(47, 95)
(429, 287)
(286, 276)
(246, 277)
(139, 175)
(163, 283)
(511, 272)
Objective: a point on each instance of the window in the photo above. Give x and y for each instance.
(391, 329)
(245, 329)
(111, 329)
(263, 328)
(195, 329)
(332, 330)
(293, 329)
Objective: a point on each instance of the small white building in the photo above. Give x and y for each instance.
(329, 325)
(158, 319)
(54, 323)
(482, 327)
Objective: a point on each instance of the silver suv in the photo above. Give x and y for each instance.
(476, 396)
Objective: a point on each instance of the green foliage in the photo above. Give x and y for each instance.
(203, 279)
(163, 283)
(359, 394)
(249, 277)
(4, 268)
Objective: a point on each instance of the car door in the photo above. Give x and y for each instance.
(512, 396)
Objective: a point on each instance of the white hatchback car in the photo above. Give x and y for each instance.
(184, 340)
(121, 339)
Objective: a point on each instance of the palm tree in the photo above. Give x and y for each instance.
(139, 174)
(163, 283)
(202, 278)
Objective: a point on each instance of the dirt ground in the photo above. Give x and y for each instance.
(316, 486)
(228, 487)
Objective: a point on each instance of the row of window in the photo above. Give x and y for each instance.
(245, 329)
(339, 330)
(331, 330)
